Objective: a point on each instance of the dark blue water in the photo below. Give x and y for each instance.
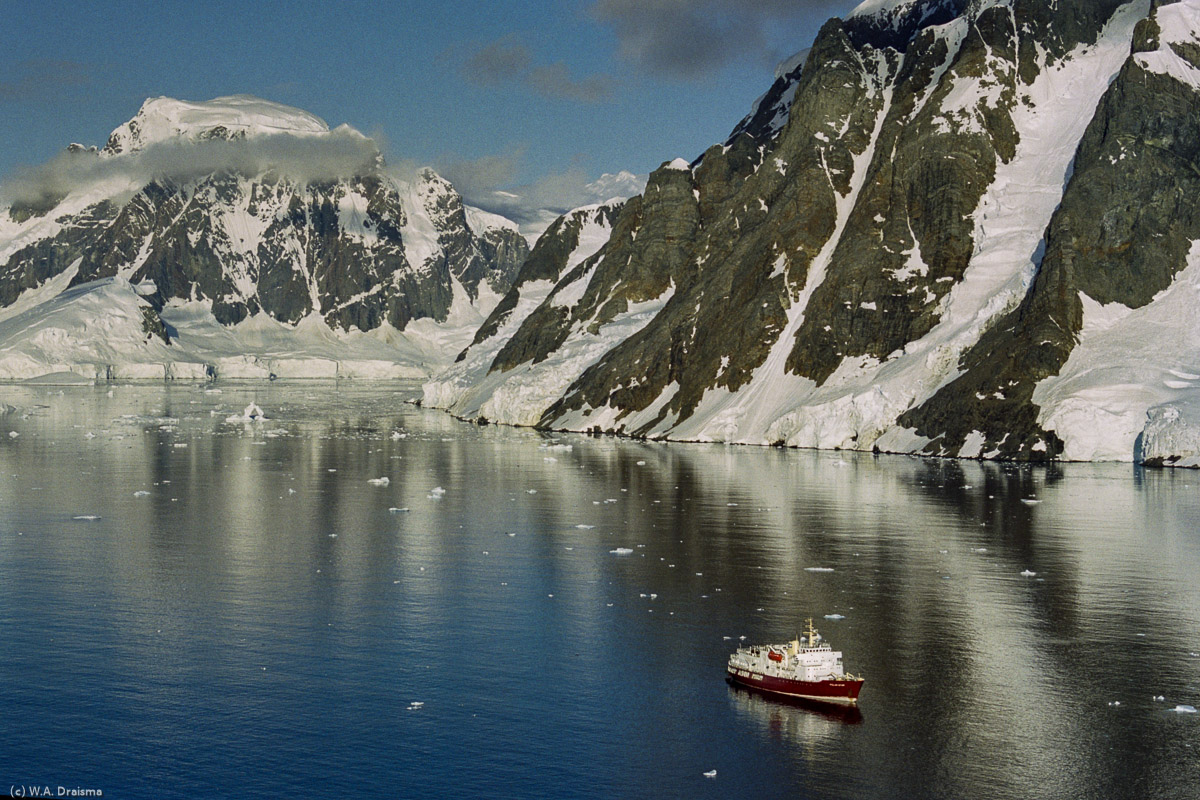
(260, 624)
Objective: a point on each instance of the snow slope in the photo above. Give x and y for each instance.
(467, 390)
(96, 331)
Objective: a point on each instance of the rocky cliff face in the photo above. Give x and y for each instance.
(209, 204)
(960, 199)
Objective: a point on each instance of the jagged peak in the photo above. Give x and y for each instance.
(232, 117)
(894, 23)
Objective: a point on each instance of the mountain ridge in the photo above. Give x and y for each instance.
(241, 208)
(845, 281)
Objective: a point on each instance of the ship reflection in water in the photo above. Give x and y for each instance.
(792, 718)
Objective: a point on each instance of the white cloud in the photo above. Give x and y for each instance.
(342, 152)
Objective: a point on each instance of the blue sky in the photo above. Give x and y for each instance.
(497, 94)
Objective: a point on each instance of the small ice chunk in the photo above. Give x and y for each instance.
(394, 510)
(1183, 709)
(531, 491)
(252, 413)
(641, 463)
(437, 491)
(1030, 501)
(712, 773)
(585, 527)
(622, 551)
(13, 434)
(88, 517)
(834, 616)
(140, 493)
(818, 569)
(384, 481)
(1028, 573)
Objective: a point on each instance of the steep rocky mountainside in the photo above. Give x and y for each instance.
(961, 227)
(249, 209)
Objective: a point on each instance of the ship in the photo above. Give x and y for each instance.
(806, 667)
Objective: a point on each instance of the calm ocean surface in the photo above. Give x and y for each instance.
(197, 608)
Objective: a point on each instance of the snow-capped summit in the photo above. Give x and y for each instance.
(288, 244)
(870, 8)
(236, 116)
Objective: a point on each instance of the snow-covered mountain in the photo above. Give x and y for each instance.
(241, 237)
(961, 227)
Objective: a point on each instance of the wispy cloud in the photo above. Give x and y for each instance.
(503, 60)
(508, 60)
(690, 39)
(35, 78)
(342, 152)
(487, 183)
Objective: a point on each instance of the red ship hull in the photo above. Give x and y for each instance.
(844, 691)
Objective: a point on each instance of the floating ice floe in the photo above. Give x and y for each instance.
(1182, 709)
(384, 481)
(87, 517)
(818, 569)
(622, 551)
(252, 413)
